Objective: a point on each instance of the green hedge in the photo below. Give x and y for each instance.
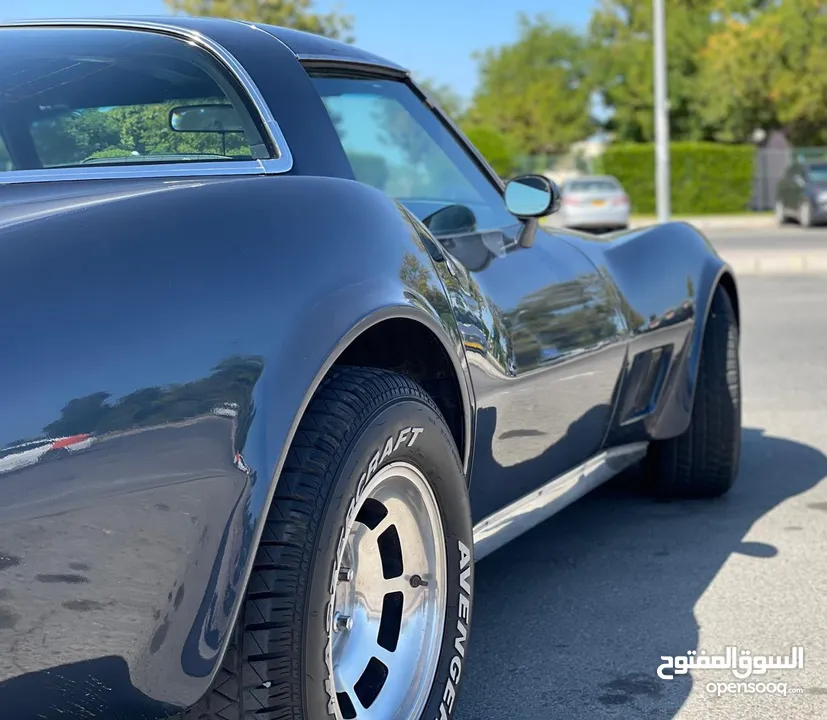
(705, 177)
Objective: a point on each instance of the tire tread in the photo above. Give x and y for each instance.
(704, 460)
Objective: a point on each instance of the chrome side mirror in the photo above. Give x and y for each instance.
(532, 196)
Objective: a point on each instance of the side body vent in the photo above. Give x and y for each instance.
(644, 383)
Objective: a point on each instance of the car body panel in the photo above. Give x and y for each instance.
(663, 308)
(543, 387)
(144, 292)
(183, 325)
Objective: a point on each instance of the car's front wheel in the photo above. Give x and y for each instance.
(359, 603)
(703, 462)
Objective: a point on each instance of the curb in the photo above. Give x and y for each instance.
(745, 263)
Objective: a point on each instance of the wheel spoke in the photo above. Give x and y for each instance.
(403, 553)
(387, 521)
(406, 519)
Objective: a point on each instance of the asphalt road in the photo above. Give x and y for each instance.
(571, 619)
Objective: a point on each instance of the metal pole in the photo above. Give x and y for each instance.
(661, 114)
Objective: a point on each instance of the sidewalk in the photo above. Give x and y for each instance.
(745, 221)
(776, 262)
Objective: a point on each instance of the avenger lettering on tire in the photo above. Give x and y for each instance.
(360, 601)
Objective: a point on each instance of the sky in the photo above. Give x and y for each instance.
(433, 38)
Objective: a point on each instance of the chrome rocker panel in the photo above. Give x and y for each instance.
(513, 520)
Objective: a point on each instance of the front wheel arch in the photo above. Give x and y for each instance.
(727, 282)
(408, 347)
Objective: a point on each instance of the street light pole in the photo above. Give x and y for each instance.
(661, 114)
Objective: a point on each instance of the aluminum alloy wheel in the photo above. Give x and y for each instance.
(389, 599)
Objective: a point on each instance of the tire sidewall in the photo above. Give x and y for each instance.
(433, 452)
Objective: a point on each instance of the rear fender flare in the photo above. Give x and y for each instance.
(654, 271)
(280, 398)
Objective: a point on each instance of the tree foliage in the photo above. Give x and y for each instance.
(295, 14)
(496, 147)
(450, 102)
(621, 58)
(765, 68)
(733, 66)
(535, 90)
(121, 131)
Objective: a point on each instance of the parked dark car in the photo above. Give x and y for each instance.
(802, 194)
(327, 359)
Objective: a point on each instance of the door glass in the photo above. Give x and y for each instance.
(395, 143)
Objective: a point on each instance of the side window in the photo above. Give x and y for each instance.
(395, 143)
(73, 97)
(133, 133)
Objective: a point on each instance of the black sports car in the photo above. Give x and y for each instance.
(328, 361)
(802, 194)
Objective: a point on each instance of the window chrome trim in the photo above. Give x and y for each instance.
(386, 68)
(138, 171)
(281, 163)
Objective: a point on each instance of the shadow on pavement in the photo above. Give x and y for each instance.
(107, 693)
(571, 619)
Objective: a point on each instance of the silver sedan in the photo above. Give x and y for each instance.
(594, 202)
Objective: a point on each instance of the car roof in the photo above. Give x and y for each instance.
(309, 46)
(306, 46)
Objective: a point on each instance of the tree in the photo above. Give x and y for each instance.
(496, 148)
(123, 131)
(765, 68)
(295, 14)
(74, 136)
(621, 62)
(536, 90)
(445, 96)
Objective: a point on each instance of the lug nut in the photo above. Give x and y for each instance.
(342, 622)
(345, 574)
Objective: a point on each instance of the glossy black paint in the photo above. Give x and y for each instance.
(185, 324)
(138, 310)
